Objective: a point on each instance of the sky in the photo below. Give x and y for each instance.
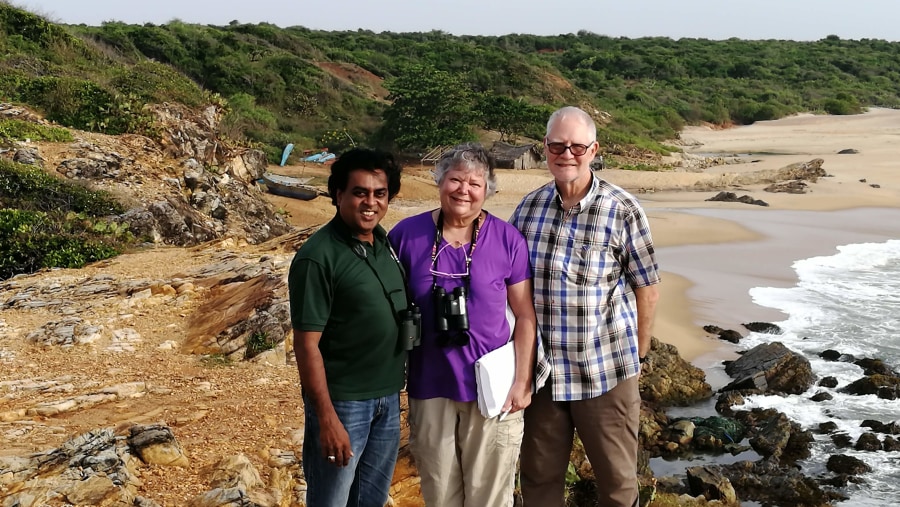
(710, 19)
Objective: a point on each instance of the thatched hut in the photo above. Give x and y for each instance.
(525, 156)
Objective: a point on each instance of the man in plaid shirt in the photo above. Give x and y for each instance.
(595, 293)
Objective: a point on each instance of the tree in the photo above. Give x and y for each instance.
(508, 116)
(430, 108)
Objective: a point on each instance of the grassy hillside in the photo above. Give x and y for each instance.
(81, 84)
(413, 90)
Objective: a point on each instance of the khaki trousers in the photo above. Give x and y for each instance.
(608, 428)
(463, 459)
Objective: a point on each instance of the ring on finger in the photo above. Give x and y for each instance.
(331, 458)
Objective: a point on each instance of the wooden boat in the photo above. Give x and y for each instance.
(287, 186)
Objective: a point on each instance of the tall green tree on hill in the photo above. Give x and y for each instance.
(430, 107)
(511, 117)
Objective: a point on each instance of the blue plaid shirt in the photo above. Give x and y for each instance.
(586, 263)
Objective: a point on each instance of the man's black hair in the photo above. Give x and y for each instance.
(366, 159)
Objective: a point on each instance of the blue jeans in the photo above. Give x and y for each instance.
(374, 429)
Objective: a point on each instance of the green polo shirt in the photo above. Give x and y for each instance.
(341, 294)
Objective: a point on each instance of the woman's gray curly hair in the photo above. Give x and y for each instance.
(468, 157)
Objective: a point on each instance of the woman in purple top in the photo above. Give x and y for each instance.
(464, 267)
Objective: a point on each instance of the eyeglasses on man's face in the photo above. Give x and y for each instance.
(560, 148)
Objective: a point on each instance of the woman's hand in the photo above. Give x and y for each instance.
(519, 397)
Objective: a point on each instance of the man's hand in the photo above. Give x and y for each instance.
(334, 441)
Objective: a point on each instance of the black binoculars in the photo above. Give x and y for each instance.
(451, 316)
(411, 327)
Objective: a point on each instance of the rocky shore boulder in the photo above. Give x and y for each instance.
(763, 327)
(711, 484)
(844, 465)
(728, 335)
(669, 380)
(770, 368)
(732, 197)
(884, 386)
(769, 483)
(809, 171)
(773, 434)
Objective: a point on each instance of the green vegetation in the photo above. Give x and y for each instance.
(20, 130)
(430, 107)
(410, 91)
(258, 343)
(32, 189)
(46, 222)
(79, 83)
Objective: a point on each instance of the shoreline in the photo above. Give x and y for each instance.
(716, 277)
(719, 251)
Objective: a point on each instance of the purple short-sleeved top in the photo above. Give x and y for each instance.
(500, 259)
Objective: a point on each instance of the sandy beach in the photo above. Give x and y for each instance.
(713, 253)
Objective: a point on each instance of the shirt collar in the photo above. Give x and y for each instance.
(343, 232)
(589, 197)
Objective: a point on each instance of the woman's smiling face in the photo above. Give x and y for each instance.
(463, 192)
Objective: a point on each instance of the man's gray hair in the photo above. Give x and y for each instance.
(573, 112)
(468, 157)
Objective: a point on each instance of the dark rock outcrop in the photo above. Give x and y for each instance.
(763, 327)
(884, 386)
(868, 442)
(770, 368)
(728, 335)
(769, 483)
(772, 434)
(834, 355)
(732, 197)
(712, 484)
(821, 396)
(843, 464)
(788, 187)
(891, 428)
(874, 367)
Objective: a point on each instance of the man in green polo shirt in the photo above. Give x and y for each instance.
(346, 292)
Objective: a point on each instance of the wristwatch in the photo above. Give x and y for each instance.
(642, 360)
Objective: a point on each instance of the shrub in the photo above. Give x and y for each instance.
(258, 343)
(27, 187)
(337, 141)
(838, 106)
(81, 104)
(32, 240)
(244, 115)
(47, 222)
(20, 130)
